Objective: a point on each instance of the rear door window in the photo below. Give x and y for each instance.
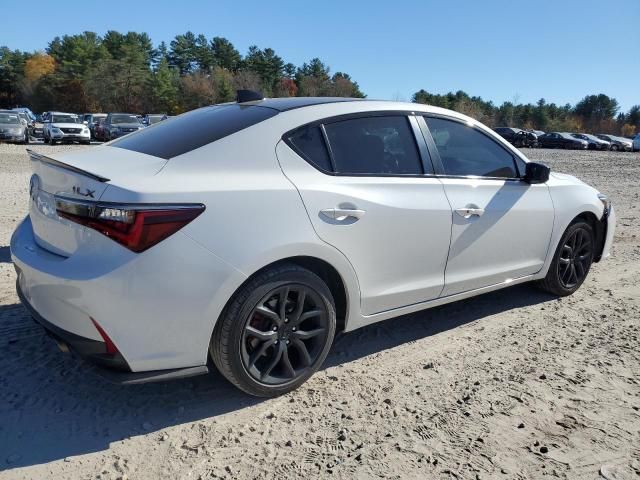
(380, 145)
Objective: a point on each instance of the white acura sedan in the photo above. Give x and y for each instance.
(250, 233)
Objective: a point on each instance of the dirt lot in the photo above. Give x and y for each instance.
(513, 384)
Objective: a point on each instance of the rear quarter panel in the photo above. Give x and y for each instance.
(254, 215)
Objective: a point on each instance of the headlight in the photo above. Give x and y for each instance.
(85, 130)
(606, 202)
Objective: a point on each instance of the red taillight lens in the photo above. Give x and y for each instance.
(137, 227)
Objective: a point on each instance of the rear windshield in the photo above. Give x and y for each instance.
(9, 118)
(193, 130)
(154, 118)
(120, 118)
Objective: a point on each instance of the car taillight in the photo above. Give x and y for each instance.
(137, 227)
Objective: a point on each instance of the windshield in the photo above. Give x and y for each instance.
(154, 118)
(61, 118)
(9, 119)
(124, 118)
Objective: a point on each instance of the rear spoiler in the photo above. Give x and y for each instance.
(65, 166)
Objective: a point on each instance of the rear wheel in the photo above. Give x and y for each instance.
(572, 260)
(275, 332)
(614, 148)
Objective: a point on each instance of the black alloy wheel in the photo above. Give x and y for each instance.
(275, 332)
(284, 334)
(575, 258)
(572, 260)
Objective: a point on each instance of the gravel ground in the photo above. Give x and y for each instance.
(512, 384)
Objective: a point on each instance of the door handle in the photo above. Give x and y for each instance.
(342, 214)
(470, 211)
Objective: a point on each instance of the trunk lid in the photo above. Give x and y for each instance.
(83, 174)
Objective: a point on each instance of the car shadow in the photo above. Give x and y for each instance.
(53, 406)
(5, 255)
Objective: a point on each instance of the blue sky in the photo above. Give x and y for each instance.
(500, 50)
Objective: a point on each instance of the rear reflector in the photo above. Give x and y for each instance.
(137, 227)
(110, 347)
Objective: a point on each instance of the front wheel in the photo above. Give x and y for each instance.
(572, 260)
(275, 332)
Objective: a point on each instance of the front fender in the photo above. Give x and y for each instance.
(571, 198)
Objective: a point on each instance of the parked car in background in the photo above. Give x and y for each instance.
(562, 140)
(26, 111)
(98, 130)
(517, 136)
(537, 132)
(119, 124)
(65, 127)
(594, 143)
(148, 257)
(635, 146)
(12, 127)
(617, 143)
(35, 128)
(92, 120)
(151, 118)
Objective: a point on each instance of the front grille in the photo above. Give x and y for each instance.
(71, 130)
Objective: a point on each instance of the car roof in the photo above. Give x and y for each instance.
(290, 103)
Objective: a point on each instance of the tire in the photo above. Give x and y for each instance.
(273, 363)
(565, 257)
(614, 148)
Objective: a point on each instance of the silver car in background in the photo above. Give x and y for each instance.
(12, 127)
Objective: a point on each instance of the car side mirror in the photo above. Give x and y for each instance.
(536, 173)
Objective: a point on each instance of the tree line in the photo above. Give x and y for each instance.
(594, 113)
(126, 72)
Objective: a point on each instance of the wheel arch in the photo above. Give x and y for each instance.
(599, 227)
(335, 280)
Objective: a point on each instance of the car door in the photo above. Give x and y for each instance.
(369, 190)
(501, 225)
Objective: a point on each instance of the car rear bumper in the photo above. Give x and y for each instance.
(158, 308)
(113, 368)
(88, 348)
